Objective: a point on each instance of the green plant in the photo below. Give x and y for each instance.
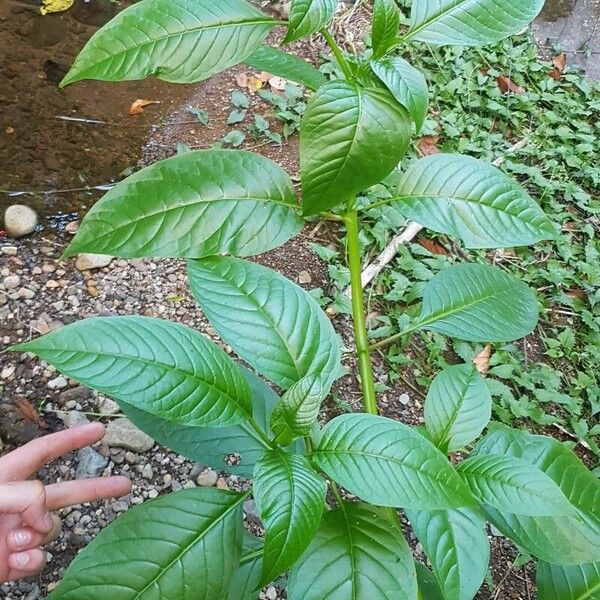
(217, 207)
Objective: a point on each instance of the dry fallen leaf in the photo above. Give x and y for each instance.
(54, 6)
(137, 108)
(29, 413)
(577, 294)
(507, 85)
(428, 145)
(242, 80)
(264, 76)
(278, 83)
(433, 247)
(482, 360)
(560, 63)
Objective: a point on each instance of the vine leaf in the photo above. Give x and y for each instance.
(160, 367)
(290, 497)
(308, 16)
(470, 22)
(180, 41)
(192, 542)
(388, 464)
(194, 205)
(351, 138)
(478, 303)
(357, 553)
(476, 202)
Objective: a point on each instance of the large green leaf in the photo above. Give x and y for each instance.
(233, 449)
(185, 545)
(350, 138)
(514, 486)
(194, 205)
(574, 582)
(286, 65)
(357, 553)
(290, 498)
(429, 588)
(478, 303)
(180, 41)
(273, 324)
(388, 463)
(560, 540)
(470, 22)
(407, 84)
(458, 548)
(386, 21)
(160, 367)
(308, 16)
(245, 584)
(472, 200)
(458, 407)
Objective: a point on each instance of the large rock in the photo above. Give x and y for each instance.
(122, 433)
(89, 463)
(20, 220)
(86, 262)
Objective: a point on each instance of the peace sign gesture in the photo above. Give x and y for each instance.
(26, 522)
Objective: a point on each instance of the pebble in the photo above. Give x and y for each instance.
(86, 262)
(404, 399)
(89, 464)
(120, 506)
(8, 250)
(304, 277)
(146, 471)
(271, 593)
(107, 406)
(11, 282)
(122, 433)
(208, 478)
(20, 220)
(58, 383)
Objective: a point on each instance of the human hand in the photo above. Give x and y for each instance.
(25, 505)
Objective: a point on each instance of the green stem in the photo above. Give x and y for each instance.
(394, 338)
(261, 434)
(336, 493)
(332, 217)
(337, 52)
(358, 315)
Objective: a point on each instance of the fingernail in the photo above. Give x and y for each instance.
(49, 521)
(22, 538)
(22, 559)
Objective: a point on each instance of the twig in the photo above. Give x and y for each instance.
(571, 435)
(87, 188)
(88, 121)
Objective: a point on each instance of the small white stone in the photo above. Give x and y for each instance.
(86, 262)
(20, 220)
(11, 282)
(208, 478)
(7, 372)
(404, 399)
(58, 383)
(271, 593)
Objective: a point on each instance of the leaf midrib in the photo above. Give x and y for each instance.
(436, 17)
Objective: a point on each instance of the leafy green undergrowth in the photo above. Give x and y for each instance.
(553, 377)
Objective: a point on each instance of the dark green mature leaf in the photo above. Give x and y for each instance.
(429, 588)
(308, 16)
(232, 449)
(386, 21)
(407, 84)
(559, 540)
(160, 367)
(194, 205)
(288, 66)
(290, 498)
(574, 582)
(458, 548)
(350, 138)
(273, 324)
(181, 41)
(357, 553)
(245, 584)
(470, 22)
(472, 200)
(478, 303)
(388, 463)
(458, 407)
(512, 485)
(185, 545)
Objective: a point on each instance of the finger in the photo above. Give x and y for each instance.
(25, 564)
(26, 538)
(27, 499)
(68, 493)
(27, 459)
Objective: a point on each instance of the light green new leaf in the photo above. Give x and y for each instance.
(478, 303)
(386, 21)
(308, 16)
(470, 22)
(458, 407)
(181, 41)
(233, 449)
(194, 205)
(575, 582)
(457, 546)
(160, 367)
(245, 584)
(407, 84)
(185, 545)
(273, 324)
(350, 139)
(288, 66)
(357, 553)
(388, 463)
(559, 540)
(472, 200)
(290, 498)
(514, 486)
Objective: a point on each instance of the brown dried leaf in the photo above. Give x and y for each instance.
(507, 86)
(28, 412)
(242, 80)
(428, 145)
(560, 63)
(137, 108)
(433, 247)
(278, 83)
(264, 76)
(482, 360)
(577, 294)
